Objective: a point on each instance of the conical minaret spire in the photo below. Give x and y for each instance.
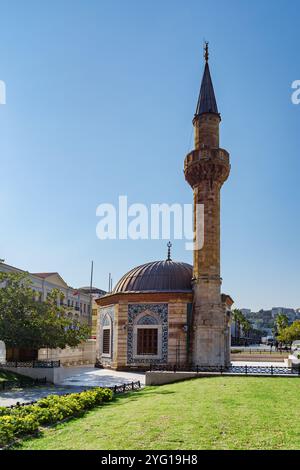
(207, 101)
(207, 118)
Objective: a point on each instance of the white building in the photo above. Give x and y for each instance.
(246, 311)
(77, 301)
(289, 312)
(79, 304)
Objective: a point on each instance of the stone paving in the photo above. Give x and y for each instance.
(76, 379)
(91, 377)
(26, 395)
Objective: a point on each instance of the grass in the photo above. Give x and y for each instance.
(11, 376)
(207, 413)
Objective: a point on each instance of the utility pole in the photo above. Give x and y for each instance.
(91, 294)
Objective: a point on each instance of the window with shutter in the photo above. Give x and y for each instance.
(106, 341)
(147, 341)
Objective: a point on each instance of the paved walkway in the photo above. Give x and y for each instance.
(76, 379)
(91, 377)
(27, 395)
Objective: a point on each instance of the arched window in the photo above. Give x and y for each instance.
(147, 320)
(147, 335)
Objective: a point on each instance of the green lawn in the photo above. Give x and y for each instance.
(5, 375)
(208, 413)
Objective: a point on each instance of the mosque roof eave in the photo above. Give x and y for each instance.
(145, 296)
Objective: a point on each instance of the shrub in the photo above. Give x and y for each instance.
(19, 421)
(3, 410)
(13, 426)
(6, 430)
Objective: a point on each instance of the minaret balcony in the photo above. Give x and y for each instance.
(206, 164)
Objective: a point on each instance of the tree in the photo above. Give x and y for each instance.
(246, 325)
(237, 317)
(241, 322)
(290, 333)
(281, 322)
(28, 324)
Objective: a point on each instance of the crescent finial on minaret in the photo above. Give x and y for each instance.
(206, 53)
(169, 245)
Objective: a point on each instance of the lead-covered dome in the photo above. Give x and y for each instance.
(158, 276)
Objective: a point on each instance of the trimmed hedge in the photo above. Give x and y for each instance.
(19, 421)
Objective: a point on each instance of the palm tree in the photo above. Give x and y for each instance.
(246, 325)
(237, 317)
(241, 323)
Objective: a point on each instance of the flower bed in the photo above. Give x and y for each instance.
(19, 421)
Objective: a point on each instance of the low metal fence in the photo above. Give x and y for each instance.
(258, 351)
(32, 364)
(128, 387)
(238, 370)
(117, 389)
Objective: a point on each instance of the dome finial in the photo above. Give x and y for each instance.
(169, 245)
(206, 53)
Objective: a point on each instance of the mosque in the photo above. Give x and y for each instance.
(169, 312)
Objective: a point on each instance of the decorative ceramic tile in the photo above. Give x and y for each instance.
(107, 311)
(160, 317)
(147, 320)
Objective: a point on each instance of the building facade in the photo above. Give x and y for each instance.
(96, 294)
(78, 303)
(169, 312)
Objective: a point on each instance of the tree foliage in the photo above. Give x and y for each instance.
(290, 333)
(281, 323)
(241, 321)
(29, 324)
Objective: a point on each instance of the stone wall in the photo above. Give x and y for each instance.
(83, 354)
(121, 339)
(54, 375)
(177, 348)
(161, 378)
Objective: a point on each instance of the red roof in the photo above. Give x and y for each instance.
(43, 275)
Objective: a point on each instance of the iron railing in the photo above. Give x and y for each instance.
(33, 364)
(257, 351)
(128, 387)
(238, 370)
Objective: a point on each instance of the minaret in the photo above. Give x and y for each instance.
(206, 169)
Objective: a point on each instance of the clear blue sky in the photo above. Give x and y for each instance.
(100, 98)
